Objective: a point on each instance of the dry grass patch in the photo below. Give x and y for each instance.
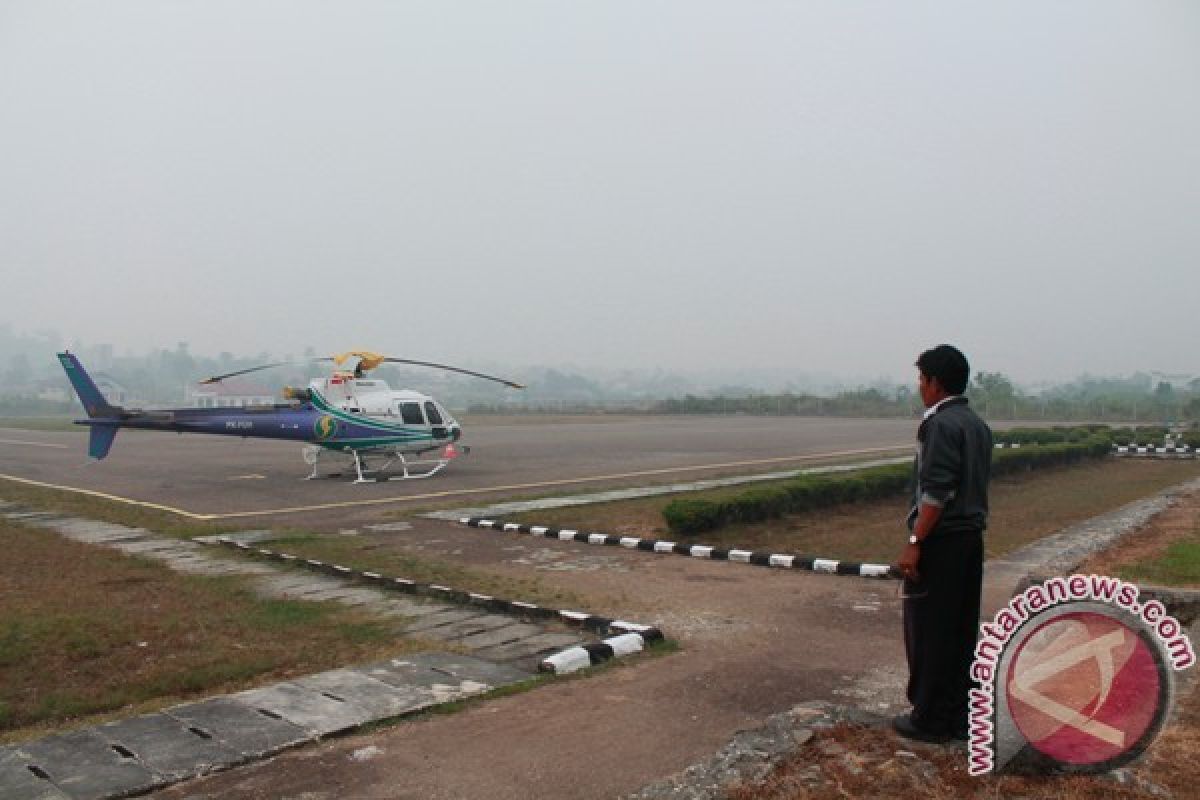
(86, 630)
(99, 508)
(1024, 508)
(853, 761)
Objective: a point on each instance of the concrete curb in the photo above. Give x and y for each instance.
(755, 558)
(626, 637)
(1134, 451)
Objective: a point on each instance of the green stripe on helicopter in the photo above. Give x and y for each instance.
(357, 419)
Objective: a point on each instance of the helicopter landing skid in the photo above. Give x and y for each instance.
(360, 464)
(369, 474)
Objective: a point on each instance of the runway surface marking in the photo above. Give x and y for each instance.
(376, 501)
(104, 496)
(33, 444)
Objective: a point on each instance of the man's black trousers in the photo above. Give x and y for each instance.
(941, 621)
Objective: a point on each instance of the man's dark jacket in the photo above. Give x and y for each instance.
(954, 462)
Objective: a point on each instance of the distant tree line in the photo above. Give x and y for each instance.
(32, 382)
(1137, 399)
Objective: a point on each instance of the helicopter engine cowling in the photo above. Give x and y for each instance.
(294, 393)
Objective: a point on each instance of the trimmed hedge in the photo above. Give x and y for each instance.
(691, 515)
(1153, 435)
(1055, 435)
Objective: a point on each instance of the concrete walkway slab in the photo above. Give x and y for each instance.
(453, 631)
(505, 635)
(18, 782)
(359, 688)
(450, 615)
(84, 765)
(317, 712)
(239, 727)
(427, 669)
(168, 746)
(530, 647)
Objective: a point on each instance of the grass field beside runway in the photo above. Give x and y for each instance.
(86, 630)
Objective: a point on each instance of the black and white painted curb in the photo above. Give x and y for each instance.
(826, 565)
(1134, 451)
(623, 637)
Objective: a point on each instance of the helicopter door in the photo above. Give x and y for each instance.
(435, 419)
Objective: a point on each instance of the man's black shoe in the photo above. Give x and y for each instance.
(906, 727)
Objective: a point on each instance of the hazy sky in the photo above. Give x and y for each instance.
(813, 186)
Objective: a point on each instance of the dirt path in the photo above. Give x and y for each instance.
(754, 641)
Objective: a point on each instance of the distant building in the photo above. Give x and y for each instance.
(113, 392)
(51, 392)
(229, 394)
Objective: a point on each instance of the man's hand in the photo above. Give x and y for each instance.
(908, 562)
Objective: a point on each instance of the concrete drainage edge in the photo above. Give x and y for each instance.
(623, 638)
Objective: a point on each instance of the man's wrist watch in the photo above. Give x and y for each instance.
(912, 539)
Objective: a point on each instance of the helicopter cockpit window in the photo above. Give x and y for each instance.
(431, 411)
(411, 414)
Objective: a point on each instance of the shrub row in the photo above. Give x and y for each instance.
(1053, 435)
(691, 515)
(1143, 436)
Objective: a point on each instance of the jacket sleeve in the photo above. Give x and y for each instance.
(941, 463)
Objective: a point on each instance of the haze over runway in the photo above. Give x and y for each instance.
(822, 186)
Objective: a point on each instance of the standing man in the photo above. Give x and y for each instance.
(942, 563)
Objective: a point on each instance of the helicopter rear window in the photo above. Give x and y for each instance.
(434, 417)
(411, 414)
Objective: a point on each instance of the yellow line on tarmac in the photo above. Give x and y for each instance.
(32, 444)
(102, 495)
(376, 501)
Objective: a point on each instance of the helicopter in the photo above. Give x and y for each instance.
(345, 414)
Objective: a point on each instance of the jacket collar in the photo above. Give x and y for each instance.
(952, 400)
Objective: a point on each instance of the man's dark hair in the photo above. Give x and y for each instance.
(948, 365)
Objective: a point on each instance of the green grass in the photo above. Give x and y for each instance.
(1178, 566)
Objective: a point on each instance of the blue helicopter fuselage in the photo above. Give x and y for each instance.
(362, 415)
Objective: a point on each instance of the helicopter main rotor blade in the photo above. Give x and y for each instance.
(219, 378)
(508, 383)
